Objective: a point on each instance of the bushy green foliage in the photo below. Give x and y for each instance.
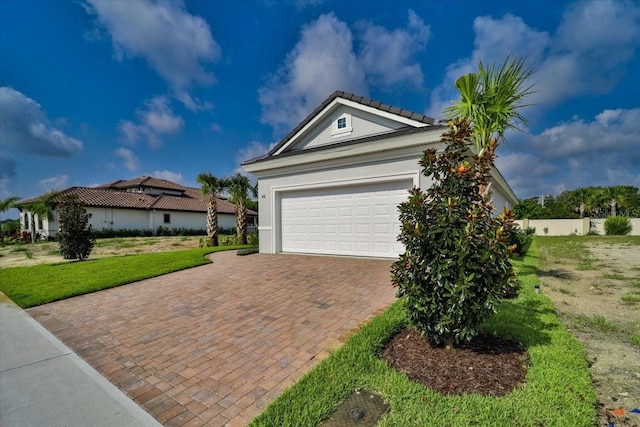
(596, 203)
(521, 240)
(456, 264)
(617, 226)
(74, 238)
(230, 240)
(10, 227)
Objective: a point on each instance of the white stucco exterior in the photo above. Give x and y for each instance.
(130, 219)
(314, 159)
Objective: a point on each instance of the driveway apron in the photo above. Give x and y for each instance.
(214, 345)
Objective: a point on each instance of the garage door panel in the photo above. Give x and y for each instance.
(350, 220)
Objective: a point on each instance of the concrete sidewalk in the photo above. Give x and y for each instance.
(44, 383)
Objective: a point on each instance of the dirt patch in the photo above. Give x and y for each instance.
(596, 289)
(488, 365)
(47, 252)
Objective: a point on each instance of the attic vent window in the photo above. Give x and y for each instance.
(341, 126)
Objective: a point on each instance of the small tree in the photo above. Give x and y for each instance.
(456, 264)
(239, 188)
(212, 187)
(42, 208)
(74, 236)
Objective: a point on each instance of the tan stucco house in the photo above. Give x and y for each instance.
(333, 184)
(143, 203)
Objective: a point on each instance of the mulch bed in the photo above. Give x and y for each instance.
(488, 365)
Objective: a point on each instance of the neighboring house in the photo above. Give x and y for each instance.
(333, 184)
(143, 203)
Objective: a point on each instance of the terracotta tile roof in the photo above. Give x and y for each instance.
(113, 195)
(355, 98)
(145, 182)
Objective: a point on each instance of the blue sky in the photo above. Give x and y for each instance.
(93, 91)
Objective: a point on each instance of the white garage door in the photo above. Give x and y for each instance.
(352, 220)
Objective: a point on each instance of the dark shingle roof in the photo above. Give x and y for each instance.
(355, 98)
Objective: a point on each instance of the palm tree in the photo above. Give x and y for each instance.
(43, 208)
(491, 99)
(239, 189)
(4, 206)
(212, 187)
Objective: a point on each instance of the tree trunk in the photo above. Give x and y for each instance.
(32, 226)
(212, 221)
(241, 222)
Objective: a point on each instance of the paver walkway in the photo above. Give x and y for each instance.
(213, 345)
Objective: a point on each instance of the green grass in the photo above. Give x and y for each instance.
(557, 387)
(40, 284)
(598, 323)
(631, 298)
(615, 276)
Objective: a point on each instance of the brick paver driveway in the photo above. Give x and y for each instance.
(213, 345)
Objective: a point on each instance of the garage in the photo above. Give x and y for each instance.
(358, 220)
(333, 184)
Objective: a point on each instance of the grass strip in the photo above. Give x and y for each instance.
(557, 389)
(40, 284)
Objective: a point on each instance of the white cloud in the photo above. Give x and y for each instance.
(54, 183)
(600, 152)
(169, 176)
(24, 126)
(154, 122)
(324, 60)
(130, 160)
(587, 53)
(398, 48)
(176, 44)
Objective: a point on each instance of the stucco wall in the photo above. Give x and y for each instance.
(133, 219)
(566, 227)
(597, 224)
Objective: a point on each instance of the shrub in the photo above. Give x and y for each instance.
(250, 251)
(10, 227)
(617, 226)
(74, 238)
(521, 240)
(456, 264)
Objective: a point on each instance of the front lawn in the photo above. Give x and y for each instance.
(40, 284)
(557, 390)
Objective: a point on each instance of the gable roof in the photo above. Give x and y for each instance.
(115, 195)
(412, 118)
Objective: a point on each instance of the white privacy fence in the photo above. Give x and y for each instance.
(566, 227)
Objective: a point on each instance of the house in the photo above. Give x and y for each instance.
(143, 203)
(333, 184)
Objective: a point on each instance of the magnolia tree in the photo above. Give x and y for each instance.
(74, 237)
(456, 263)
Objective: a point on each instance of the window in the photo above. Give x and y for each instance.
(167, 218)
(341, 126)
(40, 227)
